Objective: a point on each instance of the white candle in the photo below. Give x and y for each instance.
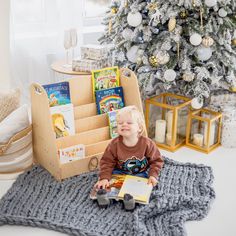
(168, 139)
(160, 131)
(169, 121)
(198, 139)
(212, 134)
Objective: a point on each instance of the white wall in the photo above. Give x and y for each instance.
(4, 44)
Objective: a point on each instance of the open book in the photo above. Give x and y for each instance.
(122, 184)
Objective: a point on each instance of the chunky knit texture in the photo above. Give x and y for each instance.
(184, 193)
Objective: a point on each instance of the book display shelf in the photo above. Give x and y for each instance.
(92, 129)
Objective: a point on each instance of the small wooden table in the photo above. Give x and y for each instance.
(58, 67)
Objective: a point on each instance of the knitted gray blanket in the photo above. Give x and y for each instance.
(184, 193)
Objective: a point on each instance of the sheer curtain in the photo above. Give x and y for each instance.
(36, 37)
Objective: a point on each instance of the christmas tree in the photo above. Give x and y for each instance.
(182, 46)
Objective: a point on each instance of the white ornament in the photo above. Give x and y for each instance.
(127, 34)
(140, 52)
(171, 24)
(222, 12)
(139, 60)
(195, 39)
(155, 18)
(204, 53)
(207, 41)
(170, 75)
(132, 54)
(162, 57)
(210, 3)
(134, 19)
(197, 103)
(166, 46)
(188, 76)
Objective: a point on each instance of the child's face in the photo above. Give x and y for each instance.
(127, 126)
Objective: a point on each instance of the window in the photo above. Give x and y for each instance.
(37, 17)
(94, 11)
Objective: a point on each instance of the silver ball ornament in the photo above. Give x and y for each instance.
(132, 54)
(210, 3)
(169, 75)
(222, 12)
(195, 39)
(127, 34)
(197, 103)
(134, 19)
(204, 53)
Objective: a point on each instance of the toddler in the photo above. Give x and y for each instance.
(130, 153)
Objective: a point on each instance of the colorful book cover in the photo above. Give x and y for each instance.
(63, 120)
(121, 184)
(58, 93)
(72, 153)
(112, 123)
(109, 99)
(105, 78)
(113, 189)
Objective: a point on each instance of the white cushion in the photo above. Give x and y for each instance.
(14, 123)
(19, 144)
(9, 101)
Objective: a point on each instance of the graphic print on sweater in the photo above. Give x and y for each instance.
(134, 165)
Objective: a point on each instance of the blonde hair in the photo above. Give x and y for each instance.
(135, 114)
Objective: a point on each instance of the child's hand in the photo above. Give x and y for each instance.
(104, 183)
(152, 180)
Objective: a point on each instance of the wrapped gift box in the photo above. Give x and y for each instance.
(94, 52)
(87, 64)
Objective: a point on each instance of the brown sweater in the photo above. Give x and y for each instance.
(133, 160)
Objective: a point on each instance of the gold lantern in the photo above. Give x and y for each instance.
(166, 117)
(203, 130)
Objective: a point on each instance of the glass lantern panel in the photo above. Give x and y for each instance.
(173, 101)
(182, 119)
(197, 132)
(213, 129)
(159, 99)
(213, 133)
(207, 115)
(156, 113)
(169, 115)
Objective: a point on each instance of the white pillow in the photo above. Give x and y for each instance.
(15, 122)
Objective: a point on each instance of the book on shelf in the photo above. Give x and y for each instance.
(63, 120)
(105, 78)
(112, 123)
(58, 93)
(109, 99)
(138, 187)
(71, 153)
